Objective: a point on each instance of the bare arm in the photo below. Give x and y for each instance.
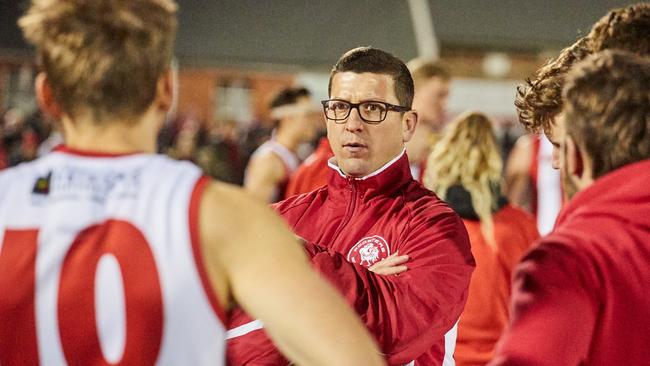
(263, 175)
(252, 258)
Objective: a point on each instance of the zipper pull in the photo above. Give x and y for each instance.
(351, 184)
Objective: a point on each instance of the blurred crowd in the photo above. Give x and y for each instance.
(22, 138)
(223, 149)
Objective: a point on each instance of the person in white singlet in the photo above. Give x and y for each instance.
(532, 182)
(539, 101)
(110, 254)
(548, 187)
(271, 165)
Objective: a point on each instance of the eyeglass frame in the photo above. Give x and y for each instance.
(389, 108)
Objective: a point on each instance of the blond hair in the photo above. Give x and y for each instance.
(102, 56)
(467, 154)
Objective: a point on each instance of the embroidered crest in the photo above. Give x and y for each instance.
(369, 251)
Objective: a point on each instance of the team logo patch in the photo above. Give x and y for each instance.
(369, 251)
(42, 185)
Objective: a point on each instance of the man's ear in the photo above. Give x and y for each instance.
(409, 123)
(165, 90)
(45, 97)
(575, 160)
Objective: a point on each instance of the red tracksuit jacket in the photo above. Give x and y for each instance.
(353, 223)
(582, 296)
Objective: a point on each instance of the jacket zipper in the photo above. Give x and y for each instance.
(350, 209)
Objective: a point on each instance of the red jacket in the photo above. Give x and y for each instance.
(312, 173)
(581, 297)
(354, 223)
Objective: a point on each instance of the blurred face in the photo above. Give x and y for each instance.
(555, 134)
(305, 121)
(361, 148)
(430, 101)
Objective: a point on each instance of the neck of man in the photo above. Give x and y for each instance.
(113, 136)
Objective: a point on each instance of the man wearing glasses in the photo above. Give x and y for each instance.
(399, 255)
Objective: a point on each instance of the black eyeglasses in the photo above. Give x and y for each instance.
(371, 112)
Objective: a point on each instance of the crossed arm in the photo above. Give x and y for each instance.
(410, 312)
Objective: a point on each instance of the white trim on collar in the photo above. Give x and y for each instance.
(331, 163)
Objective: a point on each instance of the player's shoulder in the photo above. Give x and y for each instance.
(526, 141)
(21, 181)
(11, 174)
(525, 144)
(267, 163)
(230, 209)
(20, 173)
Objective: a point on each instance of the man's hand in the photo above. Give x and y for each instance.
(393, 265)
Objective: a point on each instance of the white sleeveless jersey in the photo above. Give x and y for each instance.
(289, 160)
(549, 191)
(100, 264)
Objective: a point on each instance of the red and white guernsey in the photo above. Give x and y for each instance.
(100, 264)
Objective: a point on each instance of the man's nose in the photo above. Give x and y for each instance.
(354, 121)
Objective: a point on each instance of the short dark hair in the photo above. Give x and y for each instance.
(539, 101)
(289, 96)
(376, 61)
(608, 106)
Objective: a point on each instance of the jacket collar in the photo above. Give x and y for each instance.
(387, 180)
